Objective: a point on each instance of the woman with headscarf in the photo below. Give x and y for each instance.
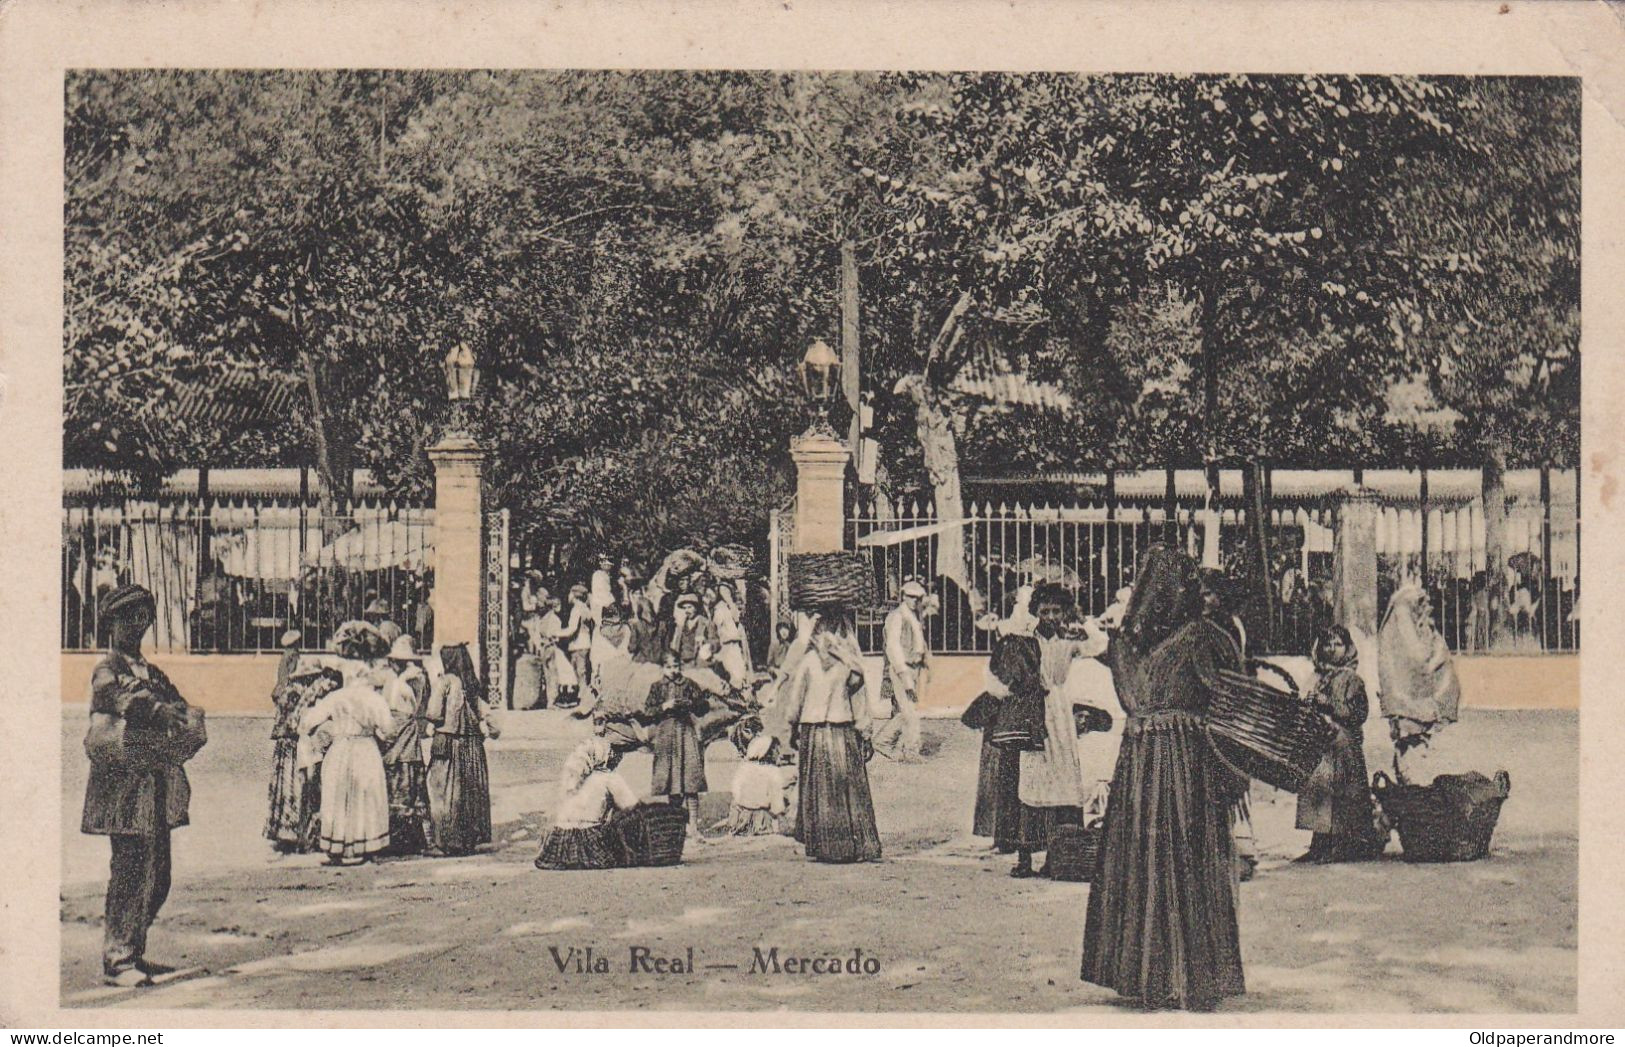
(408, 698)
(822, 702)
(307, 684)
(1418, 689)
(1335, 803)
(459, 782)
(591, 797)
(355, 798)
(1161, 926)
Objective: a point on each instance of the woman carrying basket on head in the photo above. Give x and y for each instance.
(1161, 926)
(823, 703)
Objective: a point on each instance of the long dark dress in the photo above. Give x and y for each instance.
(998, 795)
(1335, 803)
(404, 773)
(1161, 924)
(459, 782)
(679, 764)
(835, 815)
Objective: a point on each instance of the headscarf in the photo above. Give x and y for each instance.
(360, 641)
(455, 659)
(1416, 678)
(1167, 594)
(125, 600)
(1350, 658)
(590, 756)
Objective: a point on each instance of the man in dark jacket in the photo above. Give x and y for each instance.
(141, 732)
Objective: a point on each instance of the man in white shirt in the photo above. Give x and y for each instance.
(899, 737)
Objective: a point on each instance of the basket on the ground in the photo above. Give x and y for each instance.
(830, 580)
(1074, 851)
(1266, 733)
(1450, 820)
(656, 836)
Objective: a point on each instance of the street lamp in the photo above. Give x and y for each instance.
(462, 378)
(820, 378)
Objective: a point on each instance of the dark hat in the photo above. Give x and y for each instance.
(124, 601)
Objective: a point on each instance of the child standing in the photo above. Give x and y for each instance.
(679, 768)
(1335, 803)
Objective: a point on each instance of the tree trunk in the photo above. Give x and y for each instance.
(1210, 382)
(940, 449)
(1495, 525)
(851, 359)
(332, 456)
(1261, 590)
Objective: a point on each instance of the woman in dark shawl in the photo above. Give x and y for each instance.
(998, 781)
(459, 782)
(1161, 926)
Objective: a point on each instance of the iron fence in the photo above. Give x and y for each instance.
(1090, 547)
(234, 575)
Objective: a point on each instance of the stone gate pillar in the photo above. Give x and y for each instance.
(459, 472)
(1354, 566)
(820, 523)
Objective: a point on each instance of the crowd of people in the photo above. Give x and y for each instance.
(1088, 724)
(377, 753)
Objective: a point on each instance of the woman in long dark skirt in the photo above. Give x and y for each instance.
(459, 783)
(998, 796)
(835, 819)
(1161, 926)
(291, 806)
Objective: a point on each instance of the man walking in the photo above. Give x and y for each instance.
(905, 654)
(141, 732)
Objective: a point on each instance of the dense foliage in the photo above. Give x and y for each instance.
(1186, 268)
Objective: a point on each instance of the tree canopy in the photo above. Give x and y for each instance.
(1187, 268)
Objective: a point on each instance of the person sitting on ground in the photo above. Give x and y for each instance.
(593, 797)
(759, 788)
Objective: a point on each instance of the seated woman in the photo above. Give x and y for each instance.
(593, 801)
(760, 792)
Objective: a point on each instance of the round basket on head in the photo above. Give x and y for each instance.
(731, 561)
(1264, 732)
(820, 580)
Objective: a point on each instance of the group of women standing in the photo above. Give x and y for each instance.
(350, 774)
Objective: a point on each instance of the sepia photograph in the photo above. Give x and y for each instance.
(781, 542)
(654, 539)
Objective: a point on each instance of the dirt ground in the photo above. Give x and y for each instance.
(950, 929)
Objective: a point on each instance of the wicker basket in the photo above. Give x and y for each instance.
(1074, 853)
(1264, 732)
(731, 561)
(656, 836)
(1443, 822)
(831, 580)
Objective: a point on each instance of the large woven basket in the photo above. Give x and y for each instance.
(1074, 853)
(731, 561)
(1443, 822)
(1264, 732)
(831, 580)
(656, 837)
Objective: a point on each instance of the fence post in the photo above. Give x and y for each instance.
(459, 528)
(820, 517)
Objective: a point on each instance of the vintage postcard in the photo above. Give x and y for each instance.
(912, 513)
